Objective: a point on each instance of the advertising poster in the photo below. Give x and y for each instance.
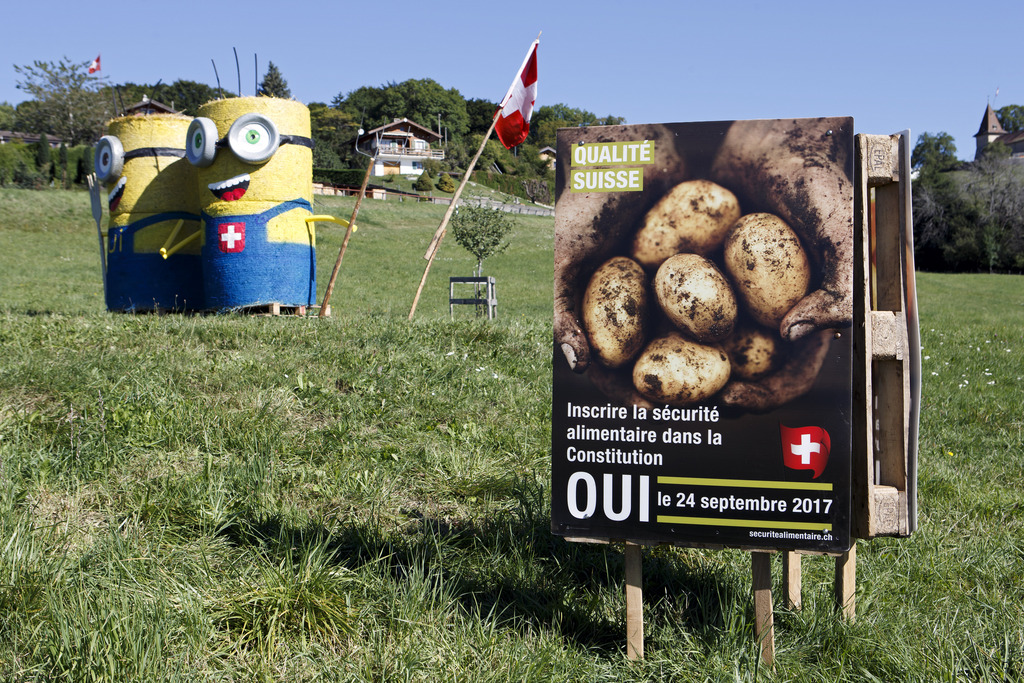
(702, 388)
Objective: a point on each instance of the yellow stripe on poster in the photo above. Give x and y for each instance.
(746, 483)
(746, 523)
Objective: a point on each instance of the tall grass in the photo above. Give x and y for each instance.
(223, 498)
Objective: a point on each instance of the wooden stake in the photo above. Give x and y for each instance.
(435, 243)
(325, 304)
(792, 580)
(846, 582)
(634, 602)
(764, 618)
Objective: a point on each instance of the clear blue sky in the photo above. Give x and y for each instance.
(926, 66)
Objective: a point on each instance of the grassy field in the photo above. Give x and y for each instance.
(226, 498)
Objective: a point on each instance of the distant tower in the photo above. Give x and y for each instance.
(990, 131)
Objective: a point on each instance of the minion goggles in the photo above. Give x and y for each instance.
(253, 138)
(110, 156)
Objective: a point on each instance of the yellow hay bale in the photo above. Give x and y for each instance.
(285, 176)
(154, 184)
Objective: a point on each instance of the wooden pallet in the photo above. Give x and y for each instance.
(276, 309)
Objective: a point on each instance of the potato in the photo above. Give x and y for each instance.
(693, 217)
(696, 297)
(615, 310)
(674, 370)
(768, 266)
(753, 352)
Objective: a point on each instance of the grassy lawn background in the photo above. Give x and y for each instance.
(227, 498)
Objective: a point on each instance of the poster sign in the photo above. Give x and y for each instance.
(702, 387)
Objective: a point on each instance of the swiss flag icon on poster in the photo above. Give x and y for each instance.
(231, 237)
(805, 448)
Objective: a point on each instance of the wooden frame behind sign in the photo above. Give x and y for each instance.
(886, 395)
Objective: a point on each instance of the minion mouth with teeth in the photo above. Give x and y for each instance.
(256, 190)
(151, 197)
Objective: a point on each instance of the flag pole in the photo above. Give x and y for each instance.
(435, 243)
(324, 305)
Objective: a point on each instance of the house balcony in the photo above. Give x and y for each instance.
(408, 153)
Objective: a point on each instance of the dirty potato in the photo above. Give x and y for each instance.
(693, 217)
(615, 311)
(753, 352)
(696, 297)
(674, 370)
(768, 266)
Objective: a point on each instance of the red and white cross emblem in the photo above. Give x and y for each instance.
(231, 237)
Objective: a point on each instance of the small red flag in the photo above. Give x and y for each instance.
(94, 66)
(805, 448)
(513, 124)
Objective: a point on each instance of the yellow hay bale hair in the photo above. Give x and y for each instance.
(154, 184)
(285, 176)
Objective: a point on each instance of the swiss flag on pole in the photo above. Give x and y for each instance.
(94, 66)
(805, 448)
(513, 124)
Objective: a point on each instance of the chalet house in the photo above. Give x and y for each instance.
(992, 131)
(400, 147)
(549, 155)
(148, 106)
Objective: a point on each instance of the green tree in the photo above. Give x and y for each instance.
(996, 185)
(481, 113)
(7, 115)
(419, 100)
(1012, 117)
(934, 153)
(181, 95)
(446, 184)
(70, 104)
(945, 220)
(482, 232)
(423, 183)
(334, 134)
(62, 162)
(549, 118)
(273, 83)
(43, 154)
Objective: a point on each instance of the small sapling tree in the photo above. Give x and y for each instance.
(482, 232)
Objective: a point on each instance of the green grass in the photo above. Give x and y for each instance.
(226, 498)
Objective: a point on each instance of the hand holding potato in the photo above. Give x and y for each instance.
(591, 227)
(802, 172)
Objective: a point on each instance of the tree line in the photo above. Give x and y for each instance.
(67, 102)
(969, 216)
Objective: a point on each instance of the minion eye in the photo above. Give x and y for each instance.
(109, 158)
(201, 141)
(253, 138)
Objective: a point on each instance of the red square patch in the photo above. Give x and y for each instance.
(231, 237)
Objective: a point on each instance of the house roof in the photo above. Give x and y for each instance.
(148, 106)
(402, 125)
(990, 124)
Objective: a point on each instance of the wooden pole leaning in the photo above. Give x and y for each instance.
(435, 243)
(325, 304)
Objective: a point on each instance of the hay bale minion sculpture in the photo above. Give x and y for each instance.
(154, 209)
(254, 162)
